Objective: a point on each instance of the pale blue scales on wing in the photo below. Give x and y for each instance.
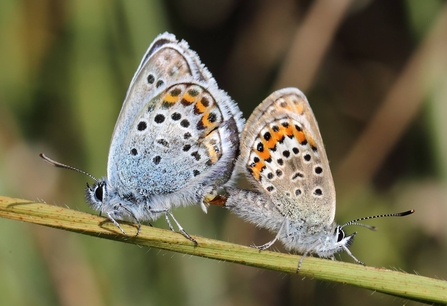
(169, 152)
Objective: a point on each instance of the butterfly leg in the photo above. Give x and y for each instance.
(109, 216)
(129, 212)
(301, 262)
(350, 254)
(167, 213)
(134, 217)
(266, 245)
(270, 243)
(306, 253)
(169, 222)
(180, 228)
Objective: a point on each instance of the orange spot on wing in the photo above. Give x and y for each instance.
(289, 130)
(206, 120)
(200, 107)
(283, 131)
(299, 135)
(271, 143)
(188, 98)
(212, 153)
(285, 105)
(299, 108)
(170, 99)
(265, 154)
(311, 142)
(257, 169)
(206, 123)
(278, 135)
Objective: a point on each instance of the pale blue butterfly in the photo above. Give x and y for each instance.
(176, 137)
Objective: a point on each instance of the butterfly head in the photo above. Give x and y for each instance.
(339, 242)
(96, 195)
(325, 244)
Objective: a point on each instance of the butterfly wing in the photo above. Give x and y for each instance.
(166, 61)
(282, 154)
(173, 138)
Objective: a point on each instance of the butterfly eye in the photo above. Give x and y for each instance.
(99, 192)
(341, 234)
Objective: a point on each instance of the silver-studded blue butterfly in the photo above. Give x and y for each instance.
(293, 193)
(177, 135)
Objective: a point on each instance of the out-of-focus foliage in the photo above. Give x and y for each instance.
(373, 71)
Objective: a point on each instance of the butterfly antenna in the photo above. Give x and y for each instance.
(373, 228)
(64, 166)
(370, 227)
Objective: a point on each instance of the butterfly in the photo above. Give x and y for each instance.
(177, 134)
(293, 193)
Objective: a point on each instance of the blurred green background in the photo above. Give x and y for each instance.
(375, 73)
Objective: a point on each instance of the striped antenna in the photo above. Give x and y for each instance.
(64, 166)
(355, 222)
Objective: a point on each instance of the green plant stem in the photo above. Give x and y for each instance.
(407, 286)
